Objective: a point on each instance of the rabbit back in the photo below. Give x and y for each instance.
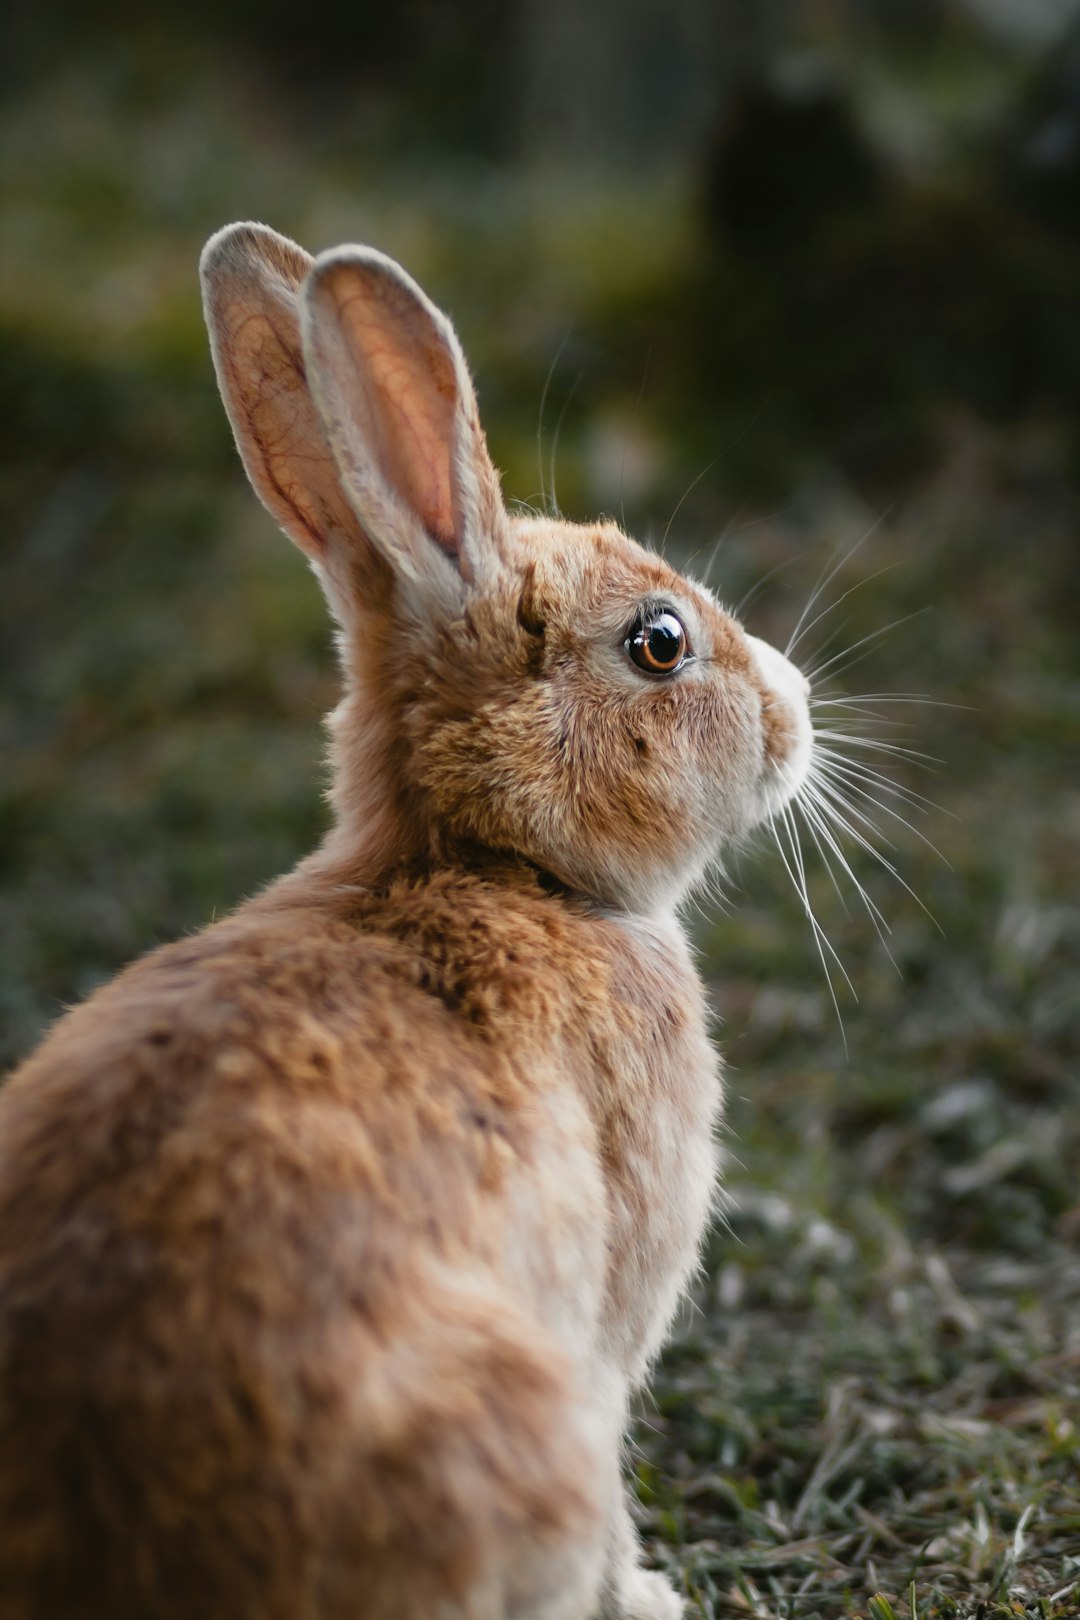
(310, 1262)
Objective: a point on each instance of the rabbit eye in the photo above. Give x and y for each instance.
(657, 643)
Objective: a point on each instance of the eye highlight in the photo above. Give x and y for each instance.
(657, 642)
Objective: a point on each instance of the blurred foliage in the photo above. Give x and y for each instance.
(846, 308)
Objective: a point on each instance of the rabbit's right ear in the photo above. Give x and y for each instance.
(398, 407)
(251, 278)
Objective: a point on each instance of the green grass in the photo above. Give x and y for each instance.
(873, 1407)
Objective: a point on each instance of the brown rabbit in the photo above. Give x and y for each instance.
(334, 1240)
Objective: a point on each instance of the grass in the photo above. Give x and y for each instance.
(873, 1406)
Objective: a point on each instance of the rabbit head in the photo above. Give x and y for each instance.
(513, 682)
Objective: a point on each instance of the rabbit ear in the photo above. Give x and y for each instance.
(251, 278)
(399, 411)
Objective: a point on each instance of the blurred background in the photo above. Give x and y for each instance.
(783, 285)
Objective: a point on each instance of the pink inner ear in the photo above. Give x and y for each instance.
(410, 402)
(280, 421)
(251, 279)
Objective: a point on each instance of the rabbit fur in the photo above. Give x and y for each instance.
(335, 1239)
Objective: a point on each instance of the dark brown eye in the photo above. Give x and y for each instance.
(657, 643)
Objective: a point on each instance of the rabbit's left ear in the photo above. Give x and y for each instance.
(392, 389)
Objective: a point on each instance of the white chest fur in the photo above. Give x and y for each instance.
(658, 1102)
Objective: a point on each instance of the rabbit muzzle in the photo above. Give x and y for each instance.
(787, 733)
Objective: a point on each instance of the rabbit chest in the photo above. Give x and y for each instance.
(657, 1102)
(605, 1012)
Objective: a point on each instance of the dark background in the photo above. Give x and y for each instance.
(787, 276)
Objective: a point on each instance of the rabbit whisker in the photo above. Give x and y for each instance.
(817, 816)
(626, 438)
(770, 573)
(827, 575)
(692, 485)
(865, 774)
(797, 874)
(844, 700)
(864, 641)
(858, 585)
(840, 779)
(555, 509)
(540, 420)
(714, 550)
(881, 745)
(720, 454)
(842, 813)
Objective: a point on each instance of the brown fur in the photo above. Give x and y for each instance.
(333, 1240)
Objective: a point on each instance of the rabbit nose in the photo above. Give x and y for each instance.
(777, 670)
